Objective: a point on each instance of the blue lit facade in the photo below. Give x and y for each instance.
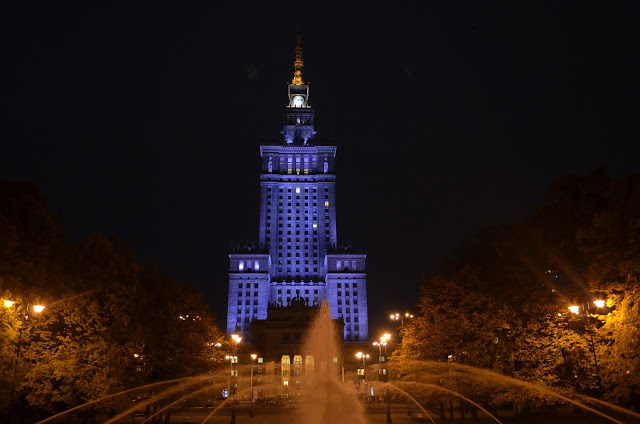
(297, 254)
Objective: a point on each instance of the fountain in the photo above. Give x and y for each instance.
(327, 399)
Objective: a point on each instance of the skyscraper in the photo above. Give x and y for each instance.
(298, 256)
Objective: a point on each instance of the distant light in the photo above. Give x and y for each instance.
(559, 315)
(315, 225)
(38, 308)
(599, 303)
(298, 190)
(574, 309)
(8, 303)
(387, 336)
(359, 354)
(135, 355)
(254, 356)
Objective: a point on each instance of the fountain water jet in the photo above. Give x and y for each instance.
(326, 399)
(451, 392)
(111, 396)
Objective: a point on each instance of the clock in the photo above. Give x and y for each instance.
(297, 101)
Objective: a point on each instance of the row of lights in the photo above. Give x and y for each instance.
(9, 303)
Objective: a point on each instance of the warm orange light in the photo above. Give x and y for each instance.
(359, 354)
(218, 344)
(8, 303)
(236, 338)
(38, 308)
(254, 356)
(574, 309)
(599, 303)
(392, 316)
(386, 336)
(135, 355)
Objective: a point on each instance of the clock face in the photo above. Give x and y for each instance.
(297, 101)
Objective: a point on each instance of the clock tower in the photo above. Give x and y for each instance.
(297, 127)
(297, 260)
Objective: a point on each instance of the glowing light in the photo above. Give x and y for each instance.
(574, 309)
(254, 356)
(135, 355)
(8, 303)
(218, 344)
(315, 225)
(326, 203)
(38, 308)
(599, 303)
(297, 190)
(385, 337)
(359, 355)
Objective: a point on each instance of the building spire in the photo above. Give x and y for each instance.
(297, 64)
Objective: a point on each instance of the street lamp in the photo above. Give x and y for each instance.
(379, 348)
(398, 317)
(253, 358)
(589, 330)
(236, 339)
(25, 316)
(364, 357)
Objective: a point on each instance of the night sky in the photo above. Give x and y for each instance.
(145, 122)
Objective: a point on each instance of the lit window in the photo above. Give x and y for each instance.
(257, 266)
(298, 190)
(360, 371)
(241, 266)
(315, 225)
(285, 382)
(260, 360)
(326, 203)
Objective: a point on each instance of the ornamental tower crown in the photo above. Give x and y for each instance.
(298, 115)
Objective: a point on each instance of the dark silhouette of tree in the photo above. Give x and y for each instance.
(501, 302)
(109, 324)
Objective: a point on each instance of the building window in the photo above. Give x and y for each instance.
(241, 266)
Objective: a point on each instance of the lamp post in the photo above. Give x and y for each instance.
(253, 358)
(379, 347)
(399, 317)
(25, 316)
(575, 309)
(236, 339)
(364, 356)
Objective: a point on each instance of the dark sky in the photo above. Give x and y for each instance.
(145, 121)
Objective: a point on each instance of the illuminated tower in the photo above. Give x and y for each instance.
(298, 254)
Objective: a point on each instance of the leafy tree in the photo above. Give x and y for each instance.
(108, 325)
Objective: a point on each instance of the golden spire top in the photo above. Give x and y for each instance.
(297, 64)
